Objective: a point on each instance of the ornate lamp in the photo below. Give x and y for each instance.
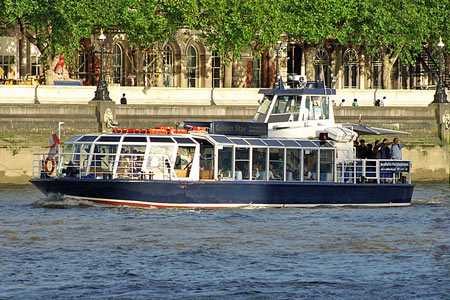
(102, 92)
(440, 96)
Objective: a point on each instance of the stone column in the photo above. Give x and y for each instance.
(105, 111)
(443, 118)
(228, 76)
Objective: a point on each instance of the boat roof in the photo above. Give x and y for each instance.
(310, 88)
(142, 138)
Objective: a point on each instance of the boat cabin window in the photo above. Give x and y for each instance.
(263, 109)
(316, 108)
(276, 164)
(310, 165)
(242, 170)
(184, 160)
(225, 162)
(286, 108)
(206, 158)
(160, 158)
(326, 165)
(293, 164)
(259, 163)
(103, 157)
(131, 160)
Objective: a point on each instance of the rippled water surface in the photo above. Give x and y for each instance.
(65, 249)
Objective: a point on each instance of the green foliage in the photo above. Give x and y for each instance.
(231, 26)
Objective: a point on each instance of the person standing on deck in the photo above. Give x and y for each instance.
(396, 149)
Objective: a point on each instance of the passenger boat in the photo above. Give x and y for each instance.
(292, 154)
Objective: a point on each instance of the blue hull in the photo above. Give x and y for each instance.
(216, 194)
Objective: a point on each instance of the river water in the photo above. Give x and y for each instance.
(65, 249)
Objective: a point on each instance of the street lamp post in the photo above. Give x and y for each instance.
(102, 92)
(440, 96)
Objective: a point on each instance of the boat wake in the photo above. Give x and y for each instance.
(56, 201)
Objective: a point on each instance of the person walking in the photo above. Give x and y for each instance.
(355, 103)
(342, 103)
(396, 149)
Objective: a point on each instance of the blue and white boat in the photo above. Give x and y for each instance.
(292, 154)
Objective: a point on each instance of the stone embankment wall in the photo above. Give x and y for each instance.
(20, 125)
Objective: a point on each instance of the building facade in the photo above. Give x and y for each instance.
(186, 62)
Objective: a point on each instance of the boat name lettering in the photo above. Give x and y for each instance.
(240, 128)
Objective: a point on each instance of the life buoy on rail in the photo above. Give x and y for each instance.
(45, 165)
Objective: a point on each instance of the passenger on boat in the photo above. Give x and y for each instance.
(307, 175)
(71, 170)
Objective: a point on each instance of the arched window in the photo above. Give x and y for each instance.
(351, 62)
(322, 66)
(216, 69)
(192, 67)
(117, 64)
(168, 66)
(377, 70)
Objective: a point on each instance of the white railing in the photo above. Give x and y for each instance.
(104, 166)
(374, 171)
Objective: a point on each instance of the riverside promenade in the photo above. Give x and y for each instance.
(29, 114)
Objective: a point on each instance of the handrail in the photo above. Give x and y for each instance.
(374, 171)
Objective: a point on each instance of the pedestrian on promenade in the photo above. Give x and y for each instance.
(123, 100)
(396, 149)
(342, 102)
(384, 101)
(377, 102)
(355, 103)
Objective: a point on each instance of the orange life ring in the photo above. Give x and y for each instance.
(45, 165)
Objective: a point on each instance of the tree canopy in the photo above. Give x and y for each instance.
(231, 26)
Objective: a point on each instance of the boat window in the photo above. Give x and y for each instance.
(326, 165)
(273, 143)
(276, 164)
(255, 142)
(135, 139)
(308, 144)
(226, 162)
(73, 139)
(108, 138)
(221, 139)
(293, 164)
(155, 139)
(310, 165)
(289, 143)
(281, 105)
(183, 140)
(88, 138)
(239, 141)
(259, 163)
(131, 161)
(325, 108)
(103, 157)
(206, 161)
(159, 158)
(242, 164)
(263, 109)
(66, 155)
(183, 161)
